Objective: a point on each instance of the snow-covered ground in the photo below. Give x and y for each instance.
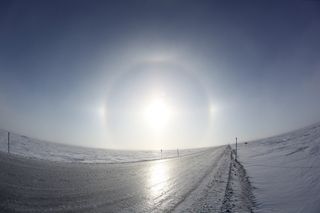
(33, 148)
(285, 171)
(200, 180)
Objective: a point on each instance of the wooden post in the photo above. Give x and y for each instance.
(236, 148)
(8, 142)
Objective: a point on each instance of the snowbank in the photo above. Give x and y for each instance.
(285, 171)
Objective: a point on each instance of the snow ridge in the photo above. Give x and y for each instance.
(238, 194)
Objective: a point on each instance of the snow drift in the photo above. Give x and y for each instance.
(285, 171)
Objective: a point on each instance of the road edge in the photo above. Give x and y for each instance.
(239, 195)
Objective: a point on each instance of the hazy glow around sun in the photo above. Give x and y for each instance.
(157, 113)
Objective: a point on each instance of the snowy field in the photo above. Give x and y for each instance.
(285, 171)
(33, 148)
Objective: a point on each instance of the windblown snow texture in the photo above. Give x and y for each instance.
(285, 171)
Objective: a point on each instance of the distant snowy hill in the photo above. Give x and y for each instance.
(285, 171)
(33, 148)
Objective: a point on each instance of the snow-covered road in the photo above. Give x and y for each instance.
(191, 183)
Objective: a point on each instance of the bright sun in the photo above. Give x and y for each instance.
(157, 113)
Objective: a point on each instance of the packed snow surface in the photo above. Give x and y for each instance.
(285, 171)
(33, 148)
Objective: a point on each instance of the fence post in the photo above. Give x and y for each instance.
(236, 148)
(8, 142)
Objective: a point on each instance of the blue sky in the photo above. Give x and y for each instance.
(85, 72)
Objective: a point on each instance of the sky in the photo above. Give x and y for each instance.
(151, 74)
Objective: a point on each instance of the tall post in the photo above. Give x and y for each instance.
(8, 142)
(236, 148)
